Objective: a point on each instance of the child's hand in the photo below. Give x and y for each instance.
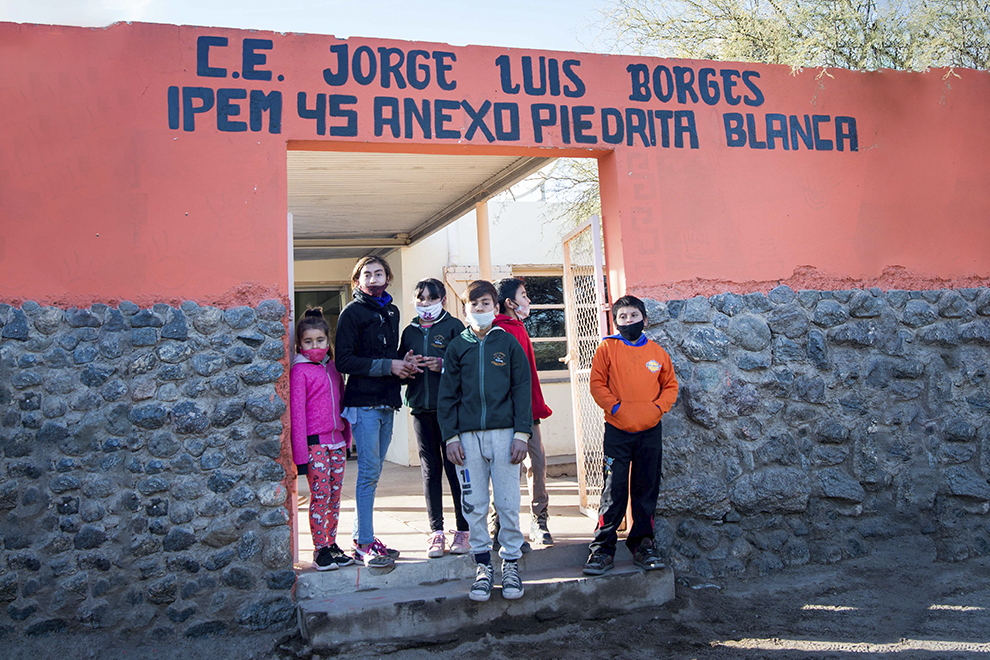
(455, 453)
(432, 363)
(518, 451)
(406, 367)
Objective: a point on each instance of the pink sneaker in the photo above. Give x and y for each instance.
(436, 545)
(460, 545)
(380, 548)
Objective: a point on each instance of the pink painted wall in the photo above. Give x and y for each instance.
(104, 196)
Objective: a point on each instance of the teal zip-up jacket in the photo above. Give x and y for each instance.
(484, 386)
(422, 389)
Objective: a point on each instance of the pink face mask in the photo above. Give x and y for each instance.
(316, 355)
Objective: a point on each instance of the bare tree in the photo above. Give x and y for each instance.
(849, 34)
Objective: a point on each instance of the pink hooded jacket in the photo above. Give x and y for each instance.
(314, 395)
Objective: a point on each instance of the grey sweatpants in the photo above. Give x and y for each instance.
(536, 473)
(487, 460)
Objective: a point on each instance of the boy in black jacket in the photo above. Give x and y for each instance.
(486, 419)
(427, 337)
(366, 349)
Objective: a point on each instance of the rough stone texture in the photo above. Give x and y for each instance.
(810, 423)
(130, 499)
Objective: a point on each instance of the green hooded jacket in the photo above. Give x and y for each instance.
(485, 385)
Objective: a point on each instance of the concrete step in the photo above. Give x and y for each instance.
(412, 572)
(424, 600)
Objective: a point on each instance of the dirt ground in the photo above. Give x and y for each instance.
(895, 603)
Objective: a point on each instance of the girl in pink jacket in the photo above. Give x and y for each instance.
(320, 436)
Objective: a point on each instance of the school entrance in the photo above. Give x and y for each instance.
(344, 204)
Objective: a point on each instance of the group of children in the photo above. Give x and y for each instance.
(476, 404)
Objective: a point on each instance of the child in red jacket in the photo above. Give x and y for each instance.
(513, 307)
(633, 381)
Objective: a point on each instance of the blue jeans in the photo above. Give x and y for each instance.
(372, 433)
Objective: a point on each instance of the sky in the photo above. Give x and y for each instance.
(543, 24)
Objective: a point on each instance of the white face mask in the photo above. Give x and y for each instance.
(430, 312)
(481, 320)
(522, 312)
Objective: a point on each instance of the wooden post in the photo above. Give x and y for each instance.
(484, 241)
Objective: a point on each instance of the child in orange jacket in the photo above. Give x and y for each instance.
(633, 380)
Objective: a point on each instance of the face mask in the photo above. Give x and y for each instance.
(316, 355)
(375, 291)
(632, 331)
(481, 320)
(522, 312)
(429, 312)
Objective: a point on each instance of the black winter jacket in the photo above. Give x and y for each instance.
(366, 342)
(421, 389)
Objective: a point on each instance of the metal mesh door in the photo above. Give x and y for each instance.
(587, 323)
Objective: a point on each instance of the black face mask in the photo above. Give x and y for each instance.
(632, 331)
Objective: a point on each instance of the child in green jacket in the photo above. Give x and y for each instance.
(486, 419)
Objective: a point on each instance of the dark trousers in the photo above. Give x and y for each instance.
(433, 462)
(642, 450)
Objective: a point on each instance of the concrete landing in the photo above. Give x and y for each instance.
(426, 599)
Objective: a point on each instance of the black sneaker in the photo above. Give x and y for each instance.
(481, 590)
(324, 560)
(512, 586)
(647, 557)
(338, 556)
(538, 531)
(598, 563)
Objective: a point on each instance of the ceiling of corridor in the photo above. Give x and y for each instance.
(346, 204)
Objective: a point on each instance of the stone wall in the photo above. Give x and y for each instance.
(140, 484)
(811, 423)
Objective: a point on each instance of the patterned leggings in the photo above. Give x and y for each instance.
(326, 479)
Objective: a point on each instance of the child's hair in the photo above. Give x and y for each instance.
(507, 290)
(313, 319)
(628, 301)
(479, 288)
(370, 259)
(432, 286)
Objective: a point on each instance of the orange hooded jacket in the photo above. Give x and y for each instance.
(633, 383)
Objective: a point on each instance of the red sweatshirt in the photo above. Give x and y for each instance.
(516, 328)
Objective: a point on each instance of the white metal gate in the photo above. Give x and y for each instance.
(587, 322)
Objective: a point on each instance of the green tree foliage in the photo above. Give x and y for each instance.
(848, 34)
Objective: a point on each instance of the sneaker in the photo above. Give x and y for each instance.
(461, 544)
(481, 590)
(323, 560)
(338, 556)
(538, 531)
(382, 550)
(512, 587)
(647, 557)
(598, 563)
(369, 557)
(436, 545)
